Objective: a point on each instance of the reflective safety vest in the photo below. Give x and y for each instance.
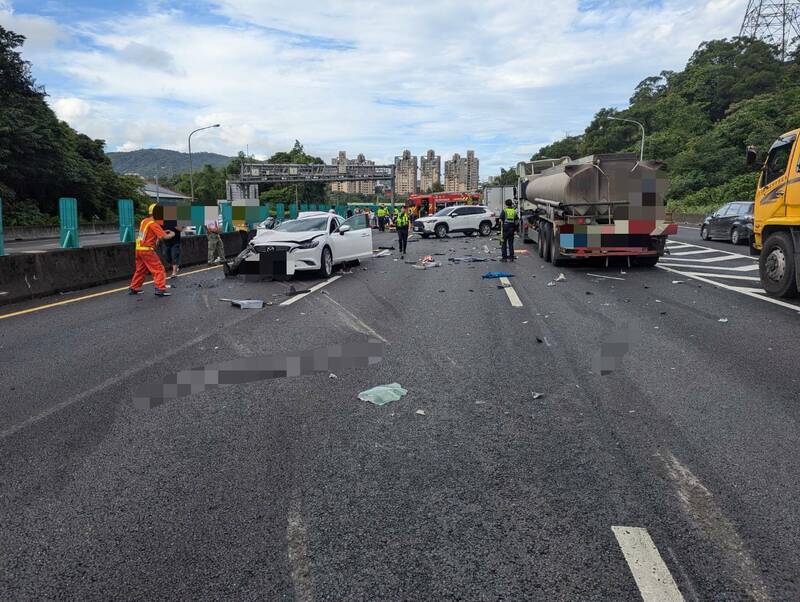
(510, 213)
(143, 228)
(402, 220)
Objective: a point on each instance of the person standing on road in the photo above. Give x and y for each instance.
(508, 226)
(401, 225)
(382, 218)
(216, 250)
(147, 260)
(172, 248)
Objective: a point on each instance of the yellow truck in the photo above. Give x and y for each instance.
(776, 216)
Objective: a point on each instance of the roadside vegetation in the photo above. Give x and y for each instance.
(732, 93)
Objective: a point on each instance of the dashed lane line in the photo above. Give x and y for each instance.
(697, 252)
(31, 310)
(652, 576)
(510, 292)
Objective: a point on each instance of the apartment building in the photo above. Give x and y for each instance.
(461, 173)
(430, 171)
(405, 174)
(366, 187)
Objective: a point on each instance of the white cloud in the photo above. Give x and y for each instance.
(502, 77)
(41, 33)
(71, 109)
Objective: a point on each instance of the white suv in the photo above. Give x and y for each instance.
(460, 218)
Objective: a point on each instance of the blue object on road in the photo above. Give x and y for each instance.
(497, 275)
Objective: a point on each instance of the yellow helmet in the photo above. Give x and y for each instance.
(151, 207)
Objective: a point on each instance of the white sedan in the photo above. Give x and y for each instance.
(314, 241)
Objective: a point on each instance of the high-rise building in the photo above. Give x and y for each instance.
(405, 174)
(366, 187)
(461, 173)
(472, 171)
(430, 171)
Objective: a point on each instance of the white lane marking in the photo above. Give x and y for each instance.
(297, 549)
(688, 227)
(652, 576)
(679, 245)
(311, 290)
(606, 277)
(741, 268)
(700, 252)
(698, 503)
(726, 276)
(728, 257)
(762, 296)
(353, 321)
(744, 255)
(510, 292)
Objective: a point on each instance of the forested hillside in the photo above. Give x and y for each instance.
(150, 161)
(698, 121)
(43, 158)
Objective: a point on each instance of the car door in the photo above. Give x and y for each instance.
(357, 241)
(714, 226)
(476, 217)
(457, 220)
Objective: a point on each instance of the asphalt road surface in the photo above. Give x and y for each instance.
(622, 434)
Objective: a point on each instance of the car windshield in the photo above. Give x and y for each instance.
(304, 225)
(443, 212)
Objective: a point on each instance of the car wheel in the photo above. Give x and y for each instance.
(776, 266)
(441, 231)
(326, 263)
(736, 238)
(704, 233)
(485, 229)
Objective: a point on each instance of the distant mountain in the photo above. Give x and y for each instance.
(147, 162)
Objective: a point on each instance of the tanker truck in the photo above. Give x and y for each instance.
(609, 205)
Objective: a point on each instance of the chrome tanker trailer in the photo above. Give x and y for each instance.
(597, 206)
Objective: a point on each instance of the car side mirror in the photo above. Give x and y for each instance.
(752, 155)
(343, 229)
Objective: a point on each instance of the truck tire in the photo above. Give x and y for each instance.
(776, 266)
(548, 235)
(645, 262)
(555, 250)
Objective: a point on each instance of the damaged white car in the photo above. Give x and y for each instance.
(315, 241)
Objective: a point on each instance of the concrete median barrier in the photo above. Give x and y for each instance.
(32, 275)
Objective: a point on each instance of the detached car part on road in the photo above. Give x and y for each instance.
(315, 241)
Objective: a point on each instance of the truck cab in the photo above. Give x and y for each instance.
(776, 216)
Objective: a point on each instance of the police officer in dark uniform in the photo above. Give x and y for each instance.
(508, 226)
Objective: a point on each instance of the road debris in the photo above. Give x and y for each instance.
(383, 394)
(391, 248)
(723, 320)
(607, 277)
(333, 376)
(678, 281)
(246, 303)
(293, 291)
(420, 413)
(539, 340)
(384, 253)
(497, 275)
(560, 278)
(537, 395)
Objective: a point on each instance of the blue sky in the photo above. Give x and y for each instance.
(372, 77)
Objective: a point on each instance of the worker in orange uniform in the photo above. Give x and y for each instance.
(147, 260)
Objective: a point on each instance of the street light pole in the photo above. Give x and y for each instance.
(641, 153)
(191, 171)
